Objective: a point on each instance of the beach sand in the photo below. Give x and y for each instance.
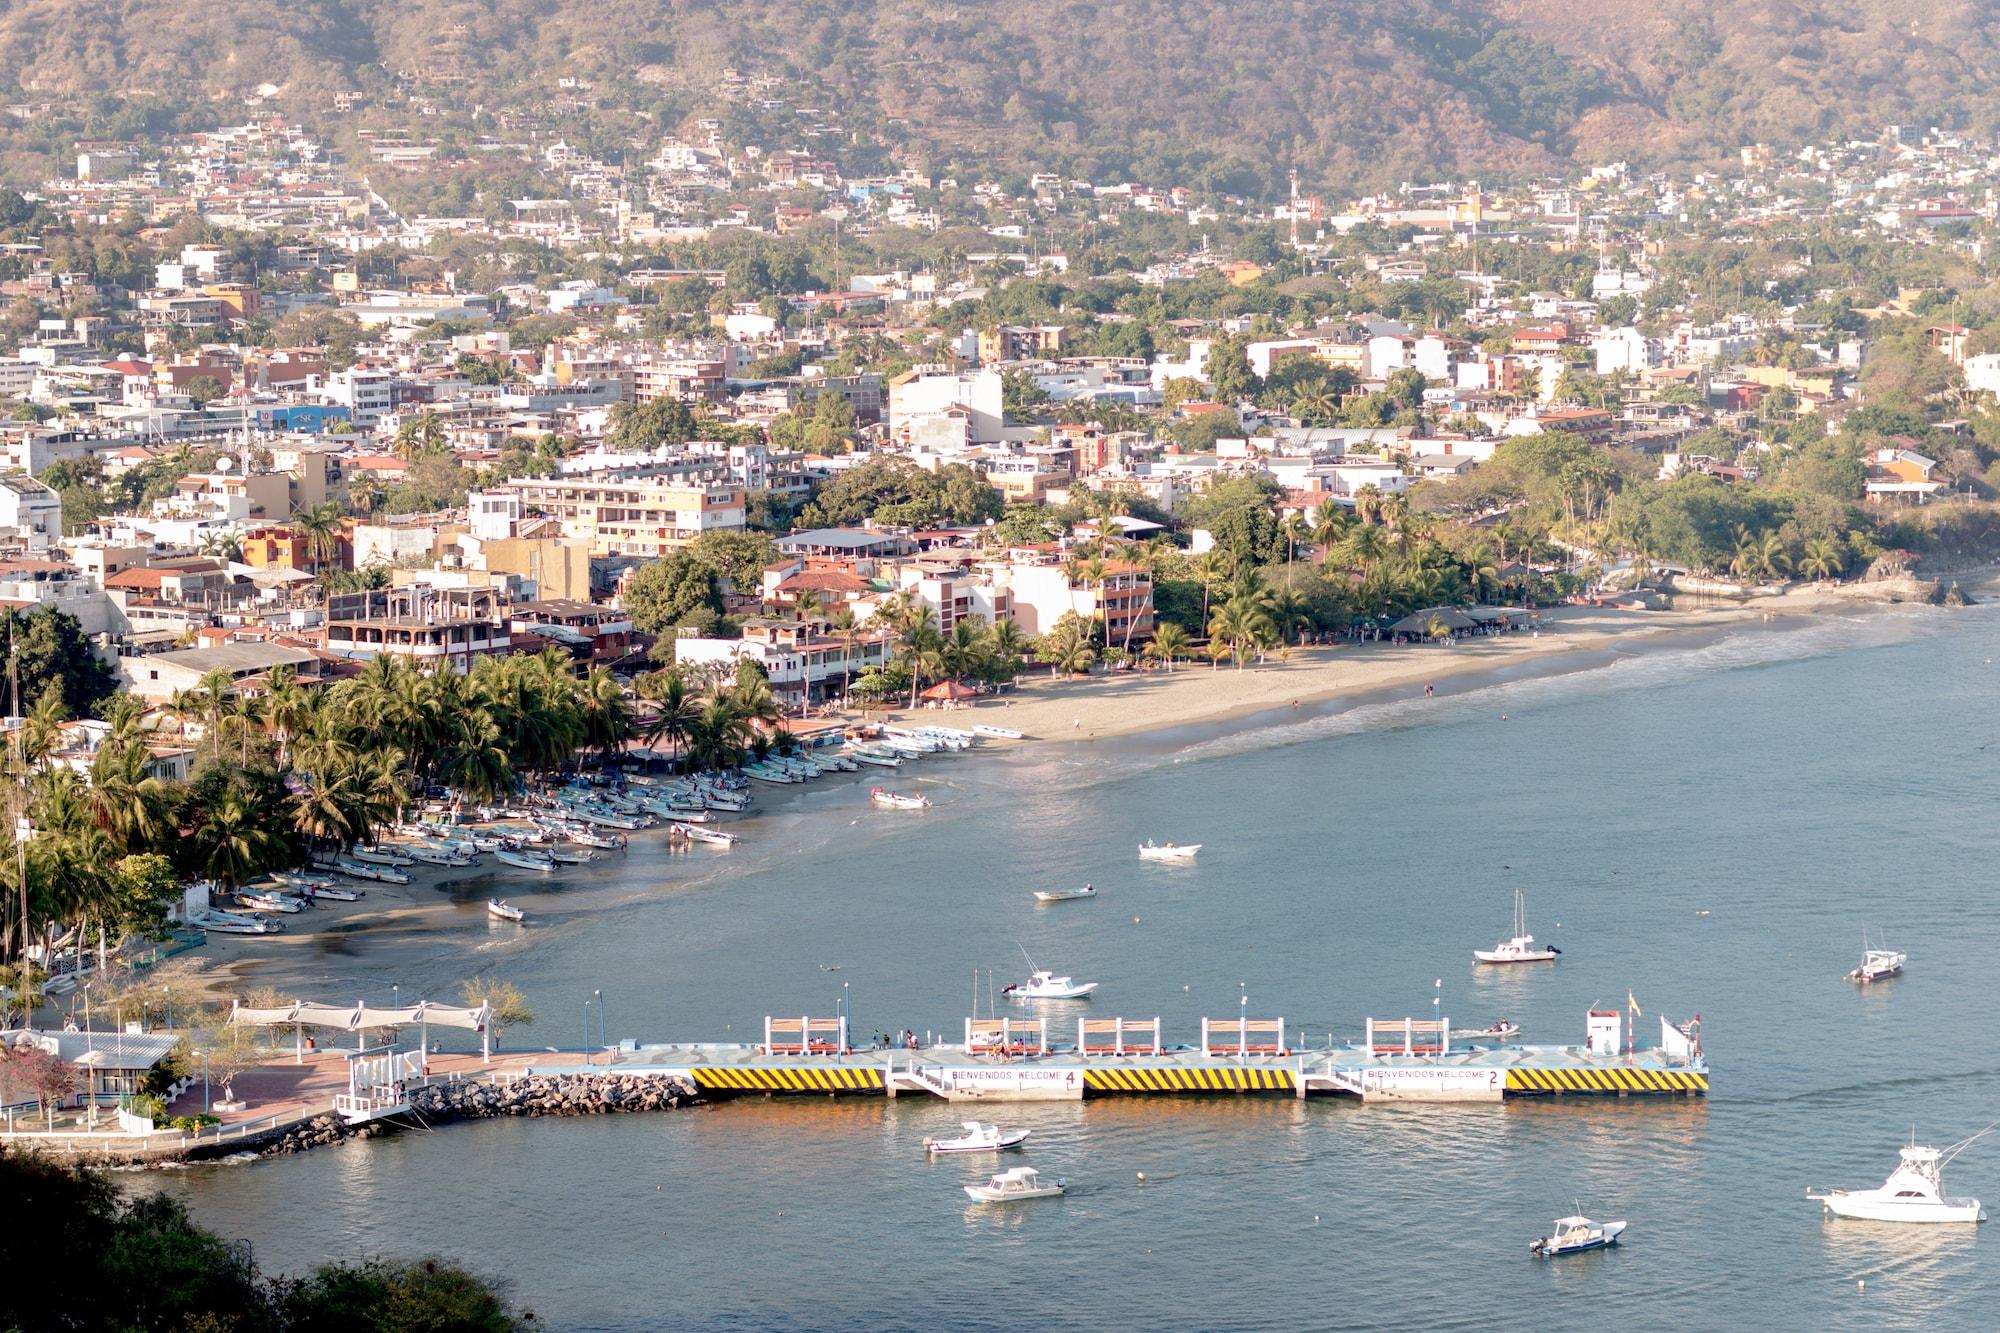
(1196, 693)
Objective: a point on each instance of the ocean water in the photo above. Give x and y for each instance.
(1711, 828)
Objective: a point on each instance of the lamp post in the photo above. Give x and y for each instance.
(603, 1041)
(586, 1032)
(204, 1082)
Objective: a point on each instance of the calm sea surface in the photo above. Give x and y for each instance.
(1710, 828)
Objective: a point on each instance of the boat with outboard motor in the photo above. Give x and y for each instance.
(1065, 895)
(505, 911)
(1168, 851)
(1022, 1182)
(1576, 1234)
(978, 1137)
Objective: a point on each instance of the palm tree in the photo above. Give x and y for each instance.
(41, 731)
(607, 716)
(843, 626)
(233, 842)
(1294, 529)
(130, 802)
(1007, 645)
(674, 709)
(1368, 503)
(1170, 641)
(1211, 567)
(287, 709)
(1823, 560)
(320, 526)
(1772, 559)
(1329, 524)
(1363, 547)
(1744, 562)
(965, 649)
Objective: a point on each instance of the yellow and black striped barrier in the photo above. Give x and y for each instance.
(1101, 1081)
(718, 1079)
(1684, 1082)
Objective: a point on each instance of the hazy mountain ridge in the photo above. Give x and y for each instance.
(1349, 91)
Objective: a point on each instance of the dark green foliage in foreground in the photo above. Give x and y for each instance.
(107, 1263)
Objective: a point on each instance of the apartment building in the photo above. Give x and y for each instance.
(639, 517)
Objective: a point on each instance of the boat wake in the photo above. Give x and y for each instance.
(1594, 674)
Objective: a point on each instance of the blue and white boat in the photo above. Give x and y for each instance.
(1575, 1234)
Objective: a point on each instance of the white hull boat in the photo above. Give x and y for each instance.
(978, 1137)
(569, 856)
(1522, 947)
(525, 860)
(270, 902)
(999, 733)
(1878, 965)
(291, 881)
(1049, 986)
(602, 841)
(1914, 1191)
(713, 837)
(337, 894)
(504, 911)
(1168, 851)
(434, 857)
(376, 858)
(1574, 1235)
(1023, 1182)
(1504, 1030)
(891, 800)
(229, 923)
(1064, 895)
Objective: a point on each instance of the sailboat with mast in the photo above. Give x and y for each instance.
(1522, 947)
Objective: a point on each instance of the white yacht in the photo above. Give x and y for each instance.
(894, 800)
(978, 1137)
(1022, 1182)
(1065, 895)
(1914, 1191)
(1167, 851)
(1522, 947)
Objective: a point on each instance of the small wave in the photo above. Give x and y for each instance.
(1617, 669)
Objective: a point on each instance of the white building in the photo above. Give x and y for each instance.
(1622, 351)
(916, 400)
(30, 512)
(366, 394)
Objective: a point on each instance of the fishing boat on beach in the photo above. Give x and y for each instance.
(998, 733)
(892, 800)
(1878, 965)
(319, 883)
(610, 842)
(868, 754)
(570, 856)
(376, 857)
(1022, 1182)
(1914, 1191)
(697, 833)
(337, 894)
(266, 901)
(1521, 948)
(1168, 851)
(234, 923)
(525, 860)
(505, 911)
(363, 870)
(1575, 1234)
(1064, 895)
(978, 1137)
(438, 856)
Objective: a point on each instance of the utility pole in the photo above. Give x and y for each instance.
(21, 812)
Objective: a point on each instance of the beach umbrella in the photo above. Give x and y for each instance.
(949, 691)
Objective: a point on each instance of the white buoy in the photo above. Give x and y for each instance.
(1142, 1180)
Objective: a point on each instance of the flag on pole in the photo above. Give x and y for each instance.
(1636, 1010)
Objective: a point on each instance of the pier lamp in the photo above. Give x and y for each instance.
(586, 1032)
(602, 1040)
(204, 1082)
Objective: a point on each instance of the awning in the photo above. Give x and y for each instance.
(950, 691)
(360, 1017)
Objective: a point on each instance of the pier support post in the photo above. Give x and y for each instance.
(889, 1078)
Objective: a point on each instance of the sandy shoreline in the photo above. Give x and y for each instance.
(1195, 694)
(1099, 708)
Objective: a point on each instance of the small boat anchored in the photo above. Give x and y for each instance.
(1167, 851)
(892, 800)
(1914, 1191)
(1878, 965)
(978, 1137)
(1065, 895)
(1575, 1234)
(1503, 1030)
(1022, 1182)
(1522, 947)
(504, 911)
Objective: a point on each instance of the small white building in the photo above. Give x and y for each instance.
(30, 512)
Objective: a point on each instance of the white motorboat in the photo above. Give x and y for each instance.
(1022, 1182)
(525, 860)
(1575, 1234)
(265, 901)
(1168, 851)
(978, 1137)
(292, 881)
(375, 857)
(1914, 1191)
(893, 800)
(713, 837)
(234, 923)
(437, 856)
(1522, 947)
(1065, 895)
(505, 911)
(998, 733)
(337, 894)
(1878, 965)
(1049, 986)
(609, 842)
(570, 856)
(1504, 1030)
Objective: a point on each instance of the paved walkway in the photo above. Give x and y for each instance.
(291, 1090)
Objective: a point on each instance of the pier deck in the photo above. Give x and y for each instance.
(952, 1072)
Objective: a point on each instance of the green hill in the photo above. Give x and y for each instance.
(1195, 91)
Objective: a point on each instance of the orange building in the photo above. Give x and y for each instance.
(283, 548)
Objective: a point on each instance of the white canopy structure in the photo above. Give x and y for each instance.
(360, 1019)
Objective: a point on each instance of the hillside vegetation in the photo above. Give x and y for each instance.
(1201, 92)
